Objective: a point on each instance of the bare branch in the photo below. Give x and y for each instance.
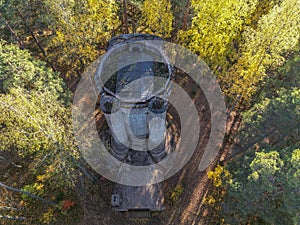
(27, 193)
(12, 218)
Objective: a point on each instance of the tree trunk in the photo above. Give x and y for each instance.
(186, 15)
(11, 30)
(36, 40)
(125, 19)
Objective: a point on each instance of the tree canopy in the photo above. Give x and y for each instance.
(18, 69)
(251, 46)
(265, 188)
(261, 184)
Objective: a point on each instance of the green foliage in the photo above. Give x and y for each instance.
(267, 192)
(72, 33)
(244, 42)
(37, 126)
(272, 121)
(265, 165)
(37, 18)
(26, 112)
(263, 184)
(265, 180)
(19, 69)
(35, 188)
(285, 77)
(35, 123)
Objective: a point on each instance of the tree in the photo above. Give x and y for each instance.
(82, 29)
(215, 29)
(182, 15)
(27, 23)
(273, 121)
(131, 12)
(263, 49)
(267, 191)
(158, 17)
(260, 182)
(241, 41)
(32, 122)
(37, 126)
(42, 161)
(262, 8)
(19, 69)
(285, 77)
(69, 34)
(34, 104)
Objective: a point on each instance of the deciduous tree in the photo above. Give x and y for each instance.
(158, 17)
(215, 28)
(263, 49)
(82, 29)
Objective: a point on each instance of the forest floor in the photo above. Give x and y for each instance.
(92, 201)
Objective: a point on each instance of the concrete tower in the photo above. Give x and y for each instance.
(134, 102)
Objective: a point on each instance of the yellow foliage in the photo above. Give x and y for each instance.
(210, 200)
(50, 169)
(241, 40)
(38, 186)
(82, 28)
(262, 8)
(276, 33)
(48, 173)
(214, 28)
(158, 17)
(48, 217)
(40, 178)
(218, 174)
(176, 193)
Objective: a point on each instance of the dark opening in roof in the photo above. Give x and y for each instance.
(134, 72)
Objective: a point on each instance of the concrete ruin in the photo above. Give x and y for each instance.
(135, 110)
